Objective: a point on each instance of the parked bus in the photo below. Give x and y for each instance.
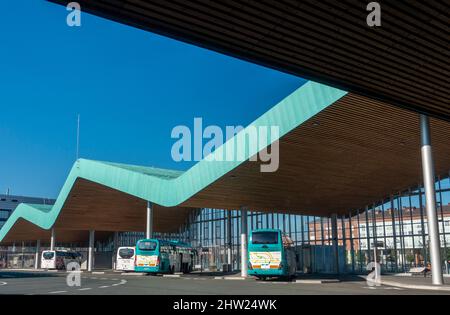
(271, 254)
(59, 260)
(125, 258)
(160, 256)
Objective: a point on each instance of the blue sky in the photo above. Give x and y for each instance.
(131, 88)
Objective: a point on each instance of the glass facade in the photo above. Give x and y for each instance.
(394, 230)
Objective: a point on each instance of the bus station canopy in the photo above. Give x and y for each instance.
(403, 62)
(338, 151)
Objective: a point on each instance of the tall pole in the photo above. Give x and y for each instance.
(78, 136)
(244, 253)
(430, 197)
(149, 224)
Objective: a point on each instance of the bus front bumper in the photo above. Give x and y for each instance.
(147, 269)
(267, 272)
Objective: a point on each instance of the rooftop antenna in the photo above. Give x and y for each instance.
(78, 136)
(7, 191)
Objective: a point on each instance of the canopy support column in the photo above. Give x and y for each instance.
(244, 248)
(335, 242)
(430, 197)
(53, 239)
(91, 250)
(229, 240)
(115, 249)
(37, 255)
(149, 224)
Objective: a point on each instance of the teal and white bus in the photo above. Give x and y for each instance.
(271, 254)
(160, 256)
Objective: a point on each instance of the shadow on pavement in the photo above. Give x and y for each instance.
(213, 274)
(342, 278)
(25, 274)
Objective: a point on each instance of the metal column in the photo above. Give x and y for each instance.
(115, 249)
(229, 239)
(430, 195)
(149, 226)
(352, 245)
(335, 242)
(244, 263)
(52, 239)
(37, 255)
(91, 250)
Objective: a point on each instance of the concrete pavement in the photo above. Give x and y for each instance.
(194, 284)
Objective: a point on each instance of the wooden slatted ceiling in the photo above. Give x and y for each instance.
(93, 206)
(352, 154)
(26, 231)
(404, 62)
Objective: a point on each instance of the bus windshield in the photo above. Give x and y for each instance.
(147, 245)
(265, 238)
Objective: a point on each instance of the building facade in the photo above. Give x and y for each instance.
(12, 257)
(8, 203)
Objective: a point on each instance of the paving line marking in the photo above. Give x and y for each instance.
(370, 288)
(275, 283)
(3, 283)
(84, 289)
(104, 287)
(57, 292)
(120, 283)
(392, 288)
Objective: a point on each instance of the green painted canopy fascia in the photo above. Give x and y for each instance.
(171, 188)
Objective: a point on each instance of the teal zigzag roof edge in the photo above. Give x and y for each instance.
(171, 188)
